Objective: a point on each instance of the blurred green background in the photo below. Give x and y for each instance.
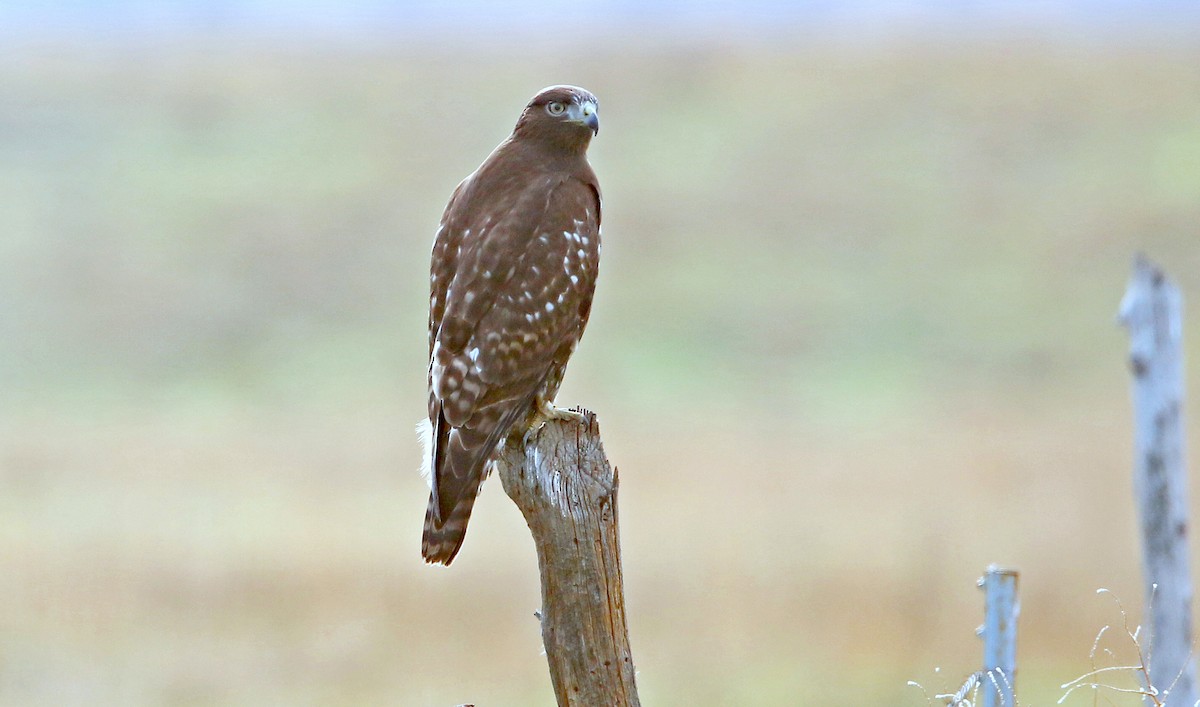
(854, 339)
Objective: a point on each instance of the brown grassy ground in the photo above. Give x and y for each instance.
(854, 340)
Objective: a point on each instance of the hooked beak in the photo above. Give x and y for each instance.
(585, 113)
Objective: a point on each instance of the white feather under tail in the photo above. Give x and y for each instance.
(425, 434)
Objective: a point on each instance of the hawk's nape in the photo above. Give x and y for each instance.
(513, 272)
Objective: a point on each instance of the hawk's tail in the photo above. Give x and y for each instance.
(440, 543)
(459, 462)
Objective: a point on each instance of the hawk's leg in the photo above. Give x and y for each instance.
(545, 412)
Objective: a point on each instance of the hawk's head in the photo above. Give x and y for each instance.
(561, 114)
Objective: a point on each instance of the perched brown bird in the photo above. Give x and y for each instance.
(513, 272)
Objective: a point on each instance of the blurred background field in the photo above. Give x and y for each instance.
(854, 339)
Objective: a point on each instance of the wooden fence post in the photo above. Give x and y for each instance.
(1001, 609)
(563, 484)
(1152, 311)
(998, 678)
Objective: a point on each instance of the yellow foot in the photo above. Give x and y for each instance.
(547, 412)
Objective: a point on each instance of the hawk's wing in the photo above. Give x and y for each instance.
(512, 289)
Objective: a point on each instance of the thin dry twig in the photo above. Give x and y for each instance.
(1141, 667)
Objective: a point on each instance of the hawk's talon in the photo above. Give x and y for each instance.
(547, 412)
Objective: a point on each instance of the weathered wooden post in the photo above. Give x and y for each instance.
(563, 484)
(998, 678)
(1001, 610)
(1152, 311)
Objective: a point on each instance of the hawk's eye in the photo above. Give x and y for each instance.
(555, 108)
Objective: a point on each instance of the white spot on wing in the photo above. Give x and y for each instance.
(550, 306)
(435, 367)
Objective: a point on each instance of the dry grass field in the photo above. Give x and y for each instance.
(854, 340)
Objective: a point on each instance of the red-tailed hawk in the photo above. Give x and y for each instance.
(513, 272)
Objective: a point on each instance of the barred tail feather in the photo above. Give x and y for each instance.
(459, 458)
(440, 543)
